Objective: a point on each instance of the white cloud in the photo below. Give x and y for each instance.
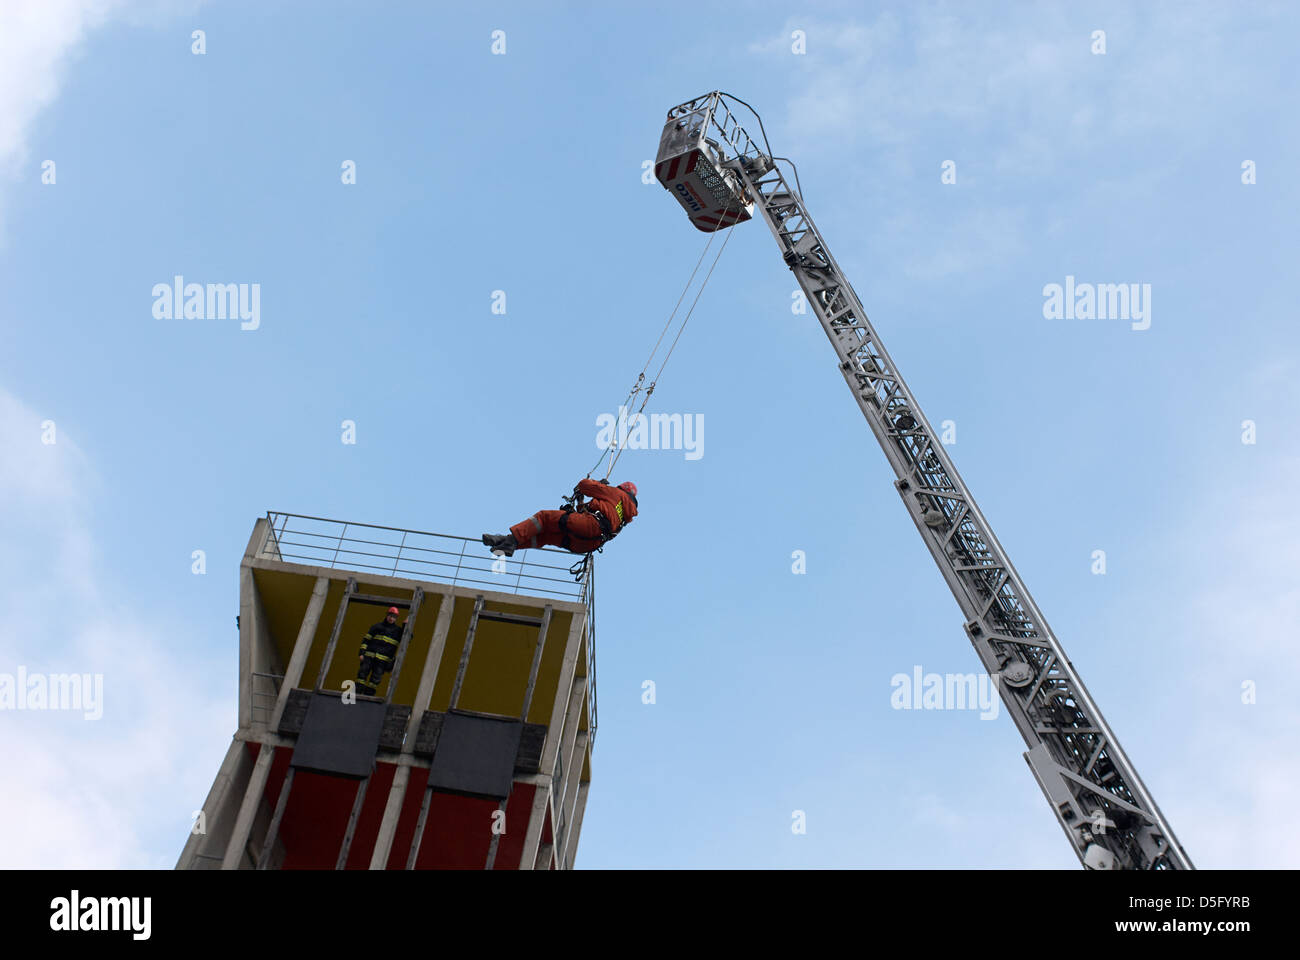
(1225, 773)
(1238, 771)
(1026, 78)
(37, 40)
(972, 241)
(1219, 607)
(92, 793)
(1014, 96)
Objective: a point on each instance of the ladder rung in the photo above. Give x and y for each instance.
(510, 618)
(380, 601)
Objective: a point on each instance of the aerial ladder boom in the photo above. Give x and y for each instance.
(722, 177)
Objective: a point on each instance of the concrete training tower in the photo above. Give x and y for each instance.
(476, 750)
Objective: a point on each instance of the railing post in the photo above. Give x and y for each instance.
(459, 560)
(520, 575)
(397, 561)
(342, 535)
(591, 666)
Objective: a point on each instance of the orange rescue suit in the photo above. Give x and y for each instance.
(584, 529)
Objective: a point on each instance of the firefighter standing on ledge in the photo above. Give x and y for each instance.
(377, 652)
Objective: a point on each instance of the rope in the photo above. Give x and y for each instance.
(616, 447)
(677, 305)
(669, 354)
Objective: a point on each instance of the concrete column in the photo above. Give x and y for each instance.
(253, 634)
(572, 648)
(571, 836)
(246, 627)
(257, 540)
(392, 813)
(564, 725)
(301, 649)
(429, 672)
(544, 857)
(577, 694)
(248, 809)
(570, 798)
(251, 620)
(536, 818)
(428, 677)
(214, 809)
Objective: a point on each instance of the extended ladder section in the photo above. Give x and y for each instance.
(1098, 798)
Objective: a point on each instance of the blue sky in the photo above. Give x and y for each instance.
(522, 173)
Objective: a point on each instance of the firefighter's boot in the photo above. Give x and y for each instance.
(501, 544)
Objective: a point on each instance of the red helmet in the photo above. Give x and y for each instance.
(629, 486)
(393, 611)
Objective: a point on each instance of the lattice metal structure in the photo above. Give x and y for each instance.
(1110, 817)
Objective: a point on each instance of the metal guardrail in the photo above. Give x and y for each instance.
(419, 555)
(439, 557)
(591, 646)
(263, 703)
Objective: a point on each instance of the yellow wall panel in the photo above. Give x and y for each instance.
(497, 673)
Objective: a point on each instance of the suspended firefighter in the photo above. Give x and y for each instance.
(377, 652)
(579, 527)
